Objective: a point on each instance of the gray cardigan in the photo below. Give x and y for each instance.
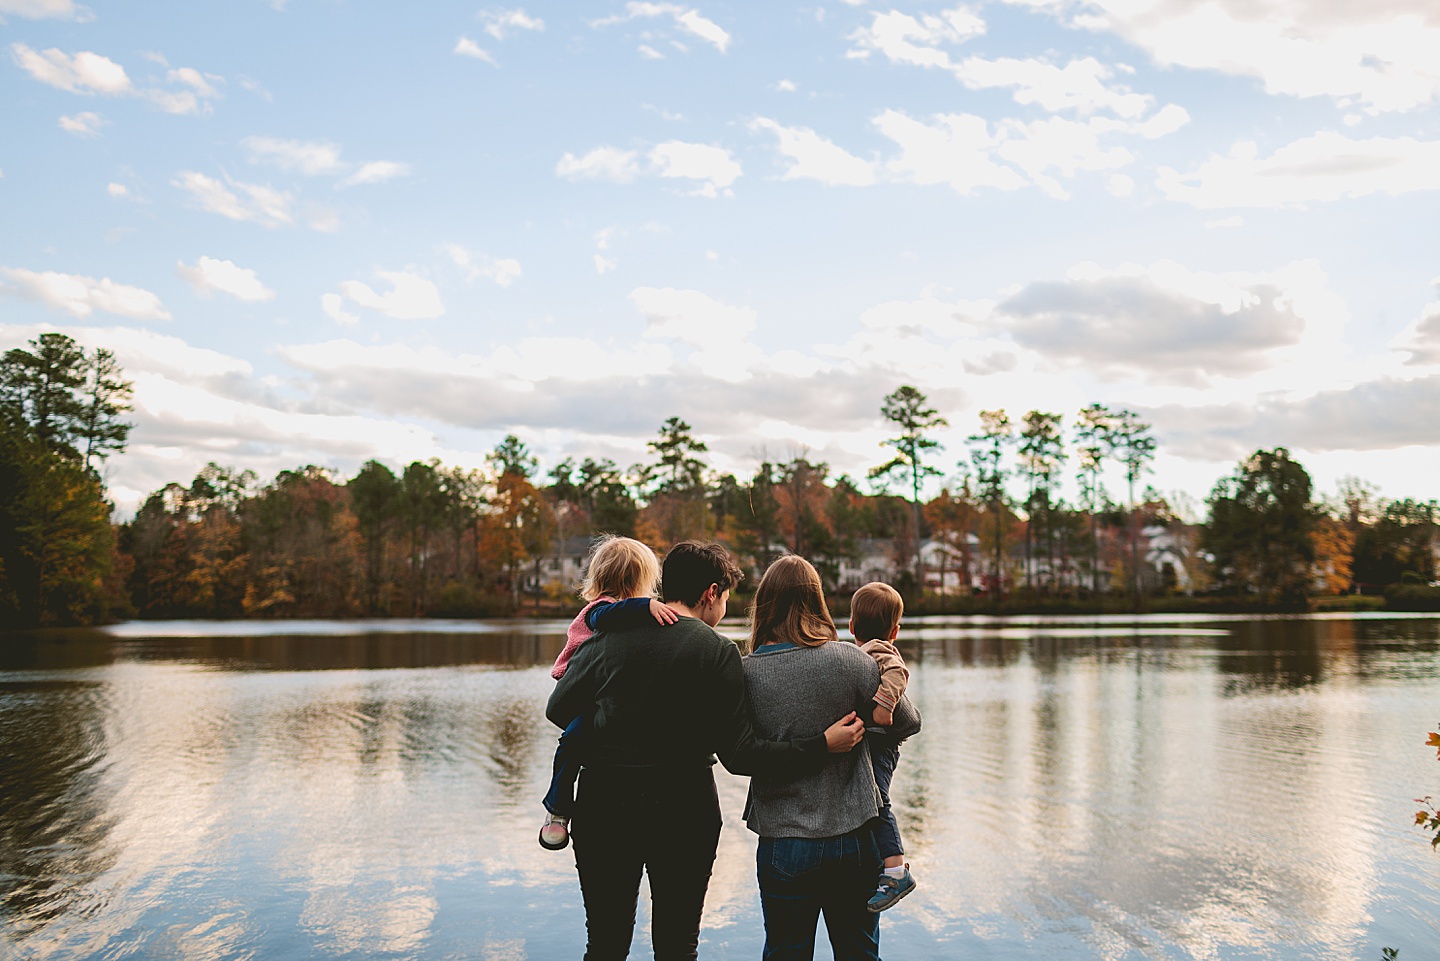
(799, 691)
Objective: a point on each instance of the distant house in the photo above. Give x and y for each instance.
(562, 569)
(873, 560)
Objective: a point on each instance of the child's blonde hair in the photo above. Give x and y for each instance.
(875, 612)
(620, 567)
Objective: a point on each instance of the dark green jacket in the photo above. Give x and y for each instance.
(670, 696)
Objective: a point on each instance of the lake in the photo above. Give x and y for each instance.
(1088, 788)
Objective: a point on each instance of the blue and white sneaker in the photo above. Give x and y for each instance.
(890, 890)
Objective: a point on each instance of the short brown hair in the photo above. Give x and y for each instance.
(875, 611)
(691, 567)
(620, 567)
(789, 605)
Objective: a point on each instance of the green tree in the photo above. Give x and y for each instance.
(678, 468)
(1399, 541)
(104, 398)
(1134, 446)
(375, 499)
(606, 497)
(58, 553)
(1261, 519)
(906, 409)
(1041, 454)
(987, 453)
(1093, 443)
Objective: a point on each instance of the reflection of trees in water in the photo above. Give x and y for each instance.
(54, 828)
(512, 729)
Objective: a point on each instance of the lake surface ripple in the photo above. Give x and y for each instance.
(1087, 788)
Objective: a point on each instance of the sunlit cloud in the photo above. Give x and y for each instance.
(209, 275)
(81, 296)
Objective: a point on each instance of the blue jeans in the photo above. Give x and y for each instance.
(884, 756)
(802, 877)
(560, 799)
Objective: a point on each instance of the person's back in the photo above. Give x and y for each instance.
(655, 692)
(793, 692)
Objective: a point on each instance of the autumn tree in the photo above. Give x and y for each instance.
(906, 409)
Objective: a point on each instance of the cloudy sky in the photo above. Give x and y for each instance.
(321, 231)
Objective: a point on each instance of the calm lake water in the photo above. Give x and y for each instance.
(1111, 788)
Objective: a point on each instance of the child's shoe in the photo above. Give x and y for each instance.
(555, 832)
(890, 890)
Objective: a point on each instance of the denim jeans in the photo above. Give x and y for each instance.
(802, 877)
(560, 799)
(884, 756)
(662, 822)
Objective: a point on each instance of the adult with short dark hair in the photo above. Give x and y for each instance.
(665, 701)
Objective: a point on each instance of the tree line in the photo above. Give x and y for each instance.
(428, 539)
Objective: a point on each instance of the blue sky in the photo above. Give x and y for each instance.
(321, 232)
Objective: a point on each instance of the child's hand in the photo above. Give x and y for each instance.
(882, 716)
(661, 613)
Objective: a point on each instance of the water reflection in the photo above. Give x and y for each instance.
(1158, 788)
(55, 828)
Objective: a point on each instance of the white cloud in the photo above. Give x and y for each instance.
(410, 297)
(603, 264)
(916, 40)
(812, 157)
(786, 86)
(1381, 54)
(90, 73)
(209, 275)
(502, 271)
(252, 202)
(1167, 324)
(718, 332)
(1083, 84)
(306, 157)
(649, 52)
(687, 19)
(712, 166)
(81, 296)
(84, 124)
(956, 150)
(44, 9)
(334, 307)
(690, 316)
(1079, 85)
(1120, 185)
(602, 163)
(500, 23)
(1224, 222)
(1325, 167)
(315, 158)
(376, 171)
(1421, 339)
(465, 47)
(117, 190)
(85, 72)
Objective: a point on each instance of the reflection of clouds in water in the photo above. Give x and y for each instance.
(396, 920)
(512, 949)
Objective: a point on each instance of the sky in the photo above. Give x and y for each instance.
(326, 231)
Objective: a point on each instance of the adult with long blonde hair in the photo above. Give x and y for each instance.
(817, 851)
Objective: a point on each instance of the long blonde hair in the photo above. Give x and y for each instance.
(620, 567)
(789, 605)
